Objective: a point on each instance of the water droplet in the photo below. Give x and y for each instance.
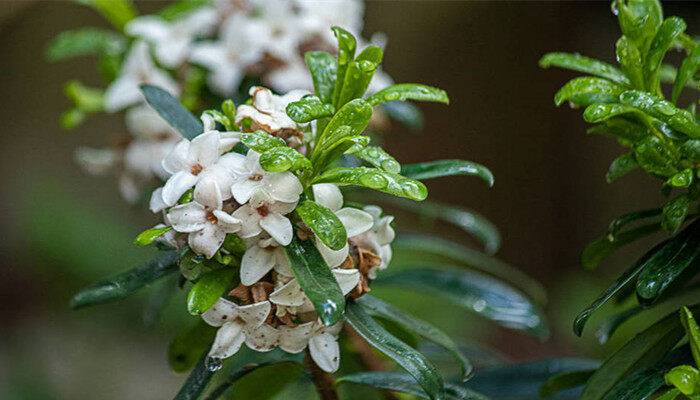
(414, 189)
(373, 180)
(391, 166)
(213, 363)
(392, 96)
(328, 309)
(479, 305)
(615, 7)
(665, 108)
(367, 66)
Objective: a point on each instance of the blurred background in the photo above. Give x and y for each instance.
(63, 229)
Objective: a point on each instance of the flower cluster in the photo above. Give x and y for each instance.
(214, 194)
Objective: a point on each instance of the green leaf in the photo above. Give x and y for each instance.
(679, 119)
(588, 90)
(258, 381)
(630, 60)
(669, 264)
(323, 68)
(644, 350)
(117, 12)
(688, 68)
(639, 20)
(174, 11)
(601, 248)
(359, 74)
(620, 166)
(127, 282)
(208, 289)
(682, 179)
(85, 99)
(412, 361)
(566, 380)
(440, 168)
(475, 292)
(197, 382)
(685, 378)
(325, 224)
(623, 129)
(419, 327)
(338, 149)
(84, 42)
(691, 149)
(577, 62)
(622, 221)
(172, 111)
(193, 265)
(309, 108)
(375, 179)
(350, 120)
(610, 325)
(692, 331)
(284, 158)
(376, 156)
(346, 53)
(674, 213)
(670, 395)
(603, 111)
(261, 141)
(150, 235)
(668, 31)
(401, 382)
(638, 386)
(189, 345)
(316, 280)
(408, 91)
(654, 157)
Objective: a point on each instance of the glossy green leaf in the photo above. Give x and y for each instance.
(408, 91)
(375, 179)
(84, 42)
(376, 156)
(685, 378)
(193, 265)
(639, 20)
(419, 327)
(261, 141)
(197, 382)
(400, 382)
(360, 73)
(440, 168)
(316, 280)
(323, 68)
(172, 111)
(630, 60)
(690, 65)
(620, 166)
(669, 264)
(601, 248)
(640, 385)
(126, 283)
(258, 381)
(654, 157)
(189, 345)
(608, 327)
(309, 108)
(623, 220)
(117, 12)
(173, 11)
(602, 111)
(588, 90)
(350, 120)
(679, 119)
(346, 53)
(668, 31)
(625, 130)
(474, 291)
(692, 331)
(208, 289)
(150, 235)
(412, 361)
(325, 224)
(284, 158)
(566, 380)
(344, 145)
(577, 62)
(682, 179)
(691, 149)
(222, 119)
(674, 213)
(670, 395)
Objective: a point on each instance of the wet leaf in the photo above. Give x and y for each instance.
(601, 248)
(189, 345)
(84, 42)
(692, 331)
(408, 91)
(610, 325)
(654, 157)
(208, 289)
(677, 118)
(359, 74)
(197, 382)
(577, 62)
(325, 224)
(338, 149)
(309, 108)
(670, 395)
(682, 179)
(630, 59)
(150, 235)
(563, 381)
(379, 158)
(685, 378)
(282, 158)
(620, 166)
(691, 149)
(412, 361)
(261, 141)
(668, 31)
(440, 168)
(588, 90)
(475, 292)
(375, 179)
(623, 220)
(639, 20)
(401, 382)
(117, 12)
(323, 68)
(173, 11)
(346, 53)
(688, 68)
(601, 112)
(625, 130)
(417, 326)
(172, 111)
(126, 283)
(350, 120)
(316, 280)
(85, 99)
(674, 212)
(638, 386)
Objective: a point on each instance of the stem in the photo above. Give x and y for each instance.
(322, 380)
(368, 356)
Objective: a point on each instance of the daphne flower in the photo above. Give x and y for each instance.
(197, 161)
(138, 68)
(260, 258)
(254, 184)
(291, 294)
(204, 220)
(378, 239)
(322, 342)
(317, 16)
(172, 40)
(269, 217)
(268, 110)
(279, 28)
(235, 323)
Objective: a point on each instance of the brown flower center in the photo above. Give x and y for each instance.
(263, 210)
(212, 218)
(196, 169)
(255, 177)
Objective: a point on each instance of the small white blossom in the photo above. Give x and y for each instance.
(254, 184)
(269, 111)
(291, 294)
(261, 256)
(268, 217)
(96, 161)
(235, 322)
(316, 17)
(378, 239)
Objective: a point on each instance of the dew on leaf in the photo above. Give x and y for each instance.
(374, 181)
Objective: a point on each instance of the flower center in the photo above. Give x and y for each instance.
(255, 177)
(196, 169)
(263, 210)
(212, 218)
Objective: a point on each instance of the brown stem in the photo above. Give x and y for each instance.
(322, 380)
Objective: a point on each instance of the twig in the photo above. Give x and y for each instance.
(322, 380)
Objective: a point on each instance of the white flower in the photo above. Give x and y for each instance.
(254, 184)
(356, 222)
(204, 220)
(278, 28)
(235, 322)
(197, 161)
(239, 46)
(96, 161)
(316, 17)
(138, 68)
(145, 123)
(378, 239)
(172, 40)
(322, 341)
(268, 217)
(262, 256)
(268, 110)
(291, 294)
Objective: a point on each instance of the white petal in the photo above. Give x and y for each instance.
(225, 80)
(189, 217)
(294, 340)
(288, 295)
(176, 160)
(177, 185)
(172, 53)
(355, 221)
(250, 221)
(221, 312)
(328, 195)
(255, 264)
(384, 233)
(227, 222)
(282, 266)
(121, 93)
(229, 339)
(148, 27)
(207, 193)
(278, 226)
(157, 204)
(347, 279)
(233, 162)
(204, 149)
(252, 162)
(255, 314)
(283, 186)
(243, 188)
(209, 54)
(207, 240)
(222, 177)
(332, 257)
(227, 140)
(263, 338)
(324, 351)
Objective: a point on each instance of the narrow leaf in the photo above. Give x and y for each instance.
(208, 289)
(638, 386)
(588, 90)
(688, 68)
(566, 380)
(261, 141)
(610, 325)
(149, 236)
(84, 42)
(692, 331)
(620, 166)
(325, 224)
(679, 119)
(674, 212)
(583, 64)
(601, 112)
(346, 53)
(284, 158)
(603, 247)
(350, 120)
(622, 221)
(308, 109)
(375, 179)
(323, 68)
(172, 111)
(668, 31)
(117, 12)
(359, 74)
(404, 383)
(440, 168)
(408, 91)
(630, 59)
(376, 156)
